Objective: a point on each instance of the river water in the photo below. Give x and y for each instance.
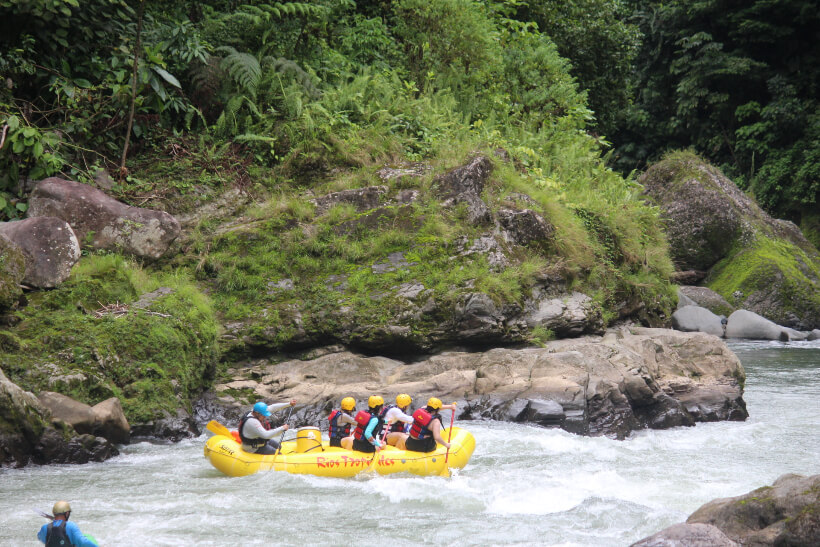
(523, 486)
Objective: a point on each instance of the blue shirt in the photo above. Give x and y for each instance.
(72, 530)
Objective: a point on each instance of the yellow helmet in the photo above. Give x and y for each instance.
(403, 400)
(434, 403)
(374, 401)
(60, 508)
(348, 403)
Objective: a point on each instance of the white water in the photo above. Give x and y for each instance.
(524, 485)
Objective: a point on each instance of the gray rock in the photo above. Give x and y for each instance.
(110, 421)
(28, 435)
(526, 227)
(465, 185)
(684, 300)
(78, 415)
(49, 246)
(566, 315)
(363, 199)
(747, 324)
(103, 222)
(697, 319)
(785, 513)
(687, 535)
(814, 335)
(707, 298)
(487, 246)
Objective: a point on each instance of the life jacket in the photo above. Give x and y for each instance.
(334, 430)
(255, 443)
(421, 421)
(57, 536)
(362, 419)
(398, 425)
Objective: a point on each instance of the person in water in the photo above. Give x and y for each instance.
(368, 427)
(395, 417)
(255, 431)
(339, 422)
(61, 532)
(426, 429)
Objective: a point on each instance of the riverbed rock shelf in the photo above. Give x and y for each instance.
(626, 380)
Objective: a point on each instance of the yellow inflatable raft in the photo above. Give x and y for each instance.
(309, 454)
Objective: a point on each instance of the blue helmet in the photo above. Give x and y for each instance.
(261, 408)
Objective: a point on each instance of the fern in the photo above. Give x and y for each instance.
(263, 13)
(243, 68)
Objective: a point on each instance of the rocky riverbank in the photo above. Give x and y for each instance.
(787, 513)
(628, 379)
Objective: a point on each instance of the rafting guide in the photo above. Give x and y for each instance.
(255, 431)
(60, 532)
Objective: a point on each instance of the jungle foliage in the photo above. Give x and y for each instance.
(737, 82)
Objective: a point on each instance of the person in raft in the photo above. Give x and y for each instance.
(255, 431)
(368, 427)
(395, 418)
(339, 422)
(426, 429)
(61, 532)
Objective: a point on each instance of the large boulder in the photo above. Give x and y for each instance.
(12, 272)
(105, 419)
(701, 222)
(755, 262)
(747, 324)
(102, 221)
(697, 319)
(110, 421)
(49, 246)
(786, 513)
(611, 385)
(687, 535)
(363, 199)
(28, 434)
(706, 298)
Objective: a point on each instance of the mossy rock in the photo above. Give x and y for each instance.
(773, 278)
(12, 271)
(156, 359)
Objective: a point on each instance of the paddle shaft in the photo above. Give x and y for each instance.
(452, 421)
(282, 438)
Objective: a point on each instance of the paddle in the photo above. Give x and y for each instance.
(282, 438)
(43, 514)
(218, 429)
(446, 471)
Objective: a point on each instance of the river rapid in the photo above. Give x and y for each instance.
(523, 486)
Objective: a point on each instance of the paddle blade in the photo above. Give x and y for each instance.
(218, 429)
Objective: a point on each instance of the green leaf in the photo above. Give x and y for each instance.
(22, 207)
(2, 202)
(167, 76)
(82, 82)
(37, 150)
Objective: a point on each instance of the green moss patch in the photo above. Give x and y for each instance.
(83, 340)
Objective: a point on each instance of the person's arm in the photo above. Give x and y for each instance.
(435, 427)
(254, 430)
(402, 417)
(368, 432)
(346, 419)
(41, 535)
(279, 406)
(77, 538)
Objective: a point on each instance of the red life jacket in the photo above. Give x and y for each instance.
(421, 423)
(362, 419)
(255, 443)
(334, 430)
